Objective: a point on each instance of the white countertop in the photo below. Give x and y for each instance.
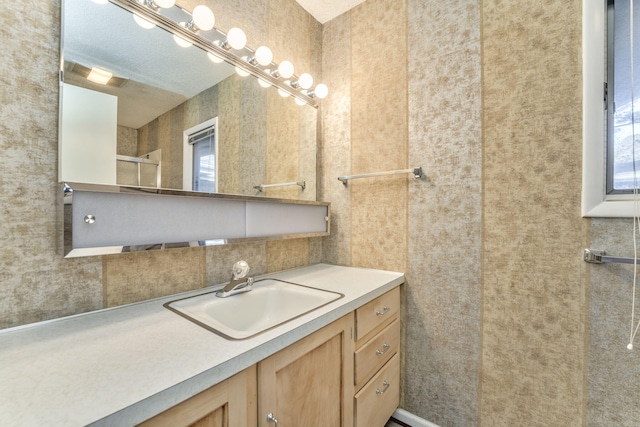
(120, 366)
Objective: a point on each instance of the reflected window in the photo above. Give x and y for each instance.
(203, 154)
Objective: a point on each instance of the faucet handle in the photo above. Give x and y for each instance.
(239, 270)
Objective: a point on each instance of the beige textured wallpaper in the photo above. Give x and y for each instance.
(378, 135)
(534, 318)
(35, 282)
(334, 157)
(443, 293)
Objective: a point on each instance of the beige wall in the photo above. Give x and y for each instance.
(504, 324)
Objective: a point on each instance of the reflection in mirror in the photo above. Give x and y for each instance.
(170, 117)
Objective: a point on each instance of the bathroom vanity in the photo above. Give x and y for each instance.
(142, 363)
(312, 381)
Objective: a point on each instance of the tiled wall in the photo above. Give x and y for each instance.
(36, 283)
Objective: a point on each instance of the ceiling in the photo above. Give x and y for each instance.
(326, 10)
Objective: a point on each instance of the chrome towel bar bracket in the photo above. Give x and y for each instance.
(598, 257)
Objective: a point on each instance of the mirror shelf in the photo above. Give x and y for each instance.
(103, 220)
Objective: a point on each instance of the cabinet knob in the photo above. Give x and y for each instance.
(378, 391)
(384, 311)
(385, 348)
(272, 419)
(89, 219)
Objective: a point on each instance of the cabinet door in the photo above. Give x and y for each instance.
(310, 383)
(228, 404)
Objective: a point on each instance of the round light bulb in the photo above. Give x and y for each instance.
(299, 101)
(165, 4)
(285, 69)
(263, 83)
(143, 22)
(214, 58)
(203, 17)
(263, 55)
(283, 93)
(241, 72)
(321, 91)
(305, 81)
(180, 41)
(236, 38)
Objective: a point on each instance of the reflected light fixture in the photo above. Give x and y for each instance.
(165, 4)
(263, 83)
(283, 93)
(236, 39)
(214, 58)
(142, 22)
(156, 4)
(241, 72)
(299, 101)
(100, 76)
(100, 1)
(179, 40)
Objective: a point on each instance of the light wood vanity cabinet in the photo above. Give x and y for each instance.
(229, 403)
(345, 374)
(377, 360)
(309, 383)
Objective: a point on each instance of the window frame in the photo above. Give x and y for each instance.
(595, 200)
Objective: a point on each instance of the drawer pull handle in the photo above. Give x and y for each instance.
(385, 348)
(272, 419)
(386, 386)
(384, 311)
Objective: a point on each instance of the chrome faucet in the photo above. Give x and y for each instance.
(238, 284)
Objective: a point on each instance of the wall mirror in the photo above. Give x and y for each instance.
(166, 104)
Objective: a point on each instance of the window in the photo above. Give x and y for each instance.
(620, 130)
(200, 157)
(607, 152)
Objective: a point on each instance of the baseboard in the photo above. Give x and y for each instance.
(407, 419)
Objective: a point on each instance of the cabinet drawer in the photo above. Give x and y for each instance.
(377, 400)
(377, 312)
(376, 352)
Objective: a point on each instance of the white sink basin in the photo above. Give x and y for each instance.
(271, 303)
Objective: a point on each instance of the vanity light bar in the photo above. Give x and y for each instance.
(307, 96)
